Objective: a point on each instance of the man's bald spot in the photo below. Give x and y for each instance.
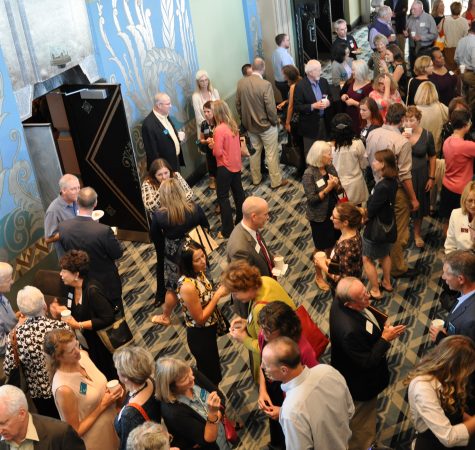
(161, 97)
(253, 205)
(281, 349)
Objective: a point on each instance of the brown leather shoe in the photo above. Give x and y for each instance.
(283, 183)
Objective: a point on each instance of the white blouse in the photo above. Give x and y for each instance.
(198, 102)
(458, 233)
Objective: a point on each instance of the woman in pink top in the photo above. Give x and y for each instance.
(227, 150)
(459, 155)
(385, 92)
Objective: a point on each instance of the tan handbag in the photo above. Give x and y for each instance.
(202, 237)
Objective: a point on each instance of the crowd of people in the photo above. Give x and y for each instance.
(387, 142)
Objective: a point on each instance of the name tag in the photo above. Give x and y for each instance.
(257, 248)
(451, 73)
(369, 327)
(82, 388)
(249, 318)
(320, 183)
(464, 230)
(70, 300)
(450, 328)
(422, 24)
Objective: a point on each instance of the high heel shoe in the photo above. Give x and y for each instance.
(322, 285)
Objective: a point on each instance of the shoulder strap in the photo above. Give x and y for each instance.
(140, 410)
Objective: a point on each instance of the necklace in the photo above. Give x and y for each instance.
(140, 389)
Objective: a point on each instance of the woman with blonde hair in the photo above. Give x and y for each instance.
(227, 150)
(80, 391)
(385, 92)
(176, 217)
(135, 368)
(439, 387)
(377, 58)
(423, 68)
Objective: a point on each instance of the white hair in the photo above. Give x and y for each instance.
(148, 436)
(361, 70)
(338, 23)
(160, 97)
(315, 154)
(312, 64)
(6, 272)
(31, 301)
(384, 11)
(13, 398)
(66, 179)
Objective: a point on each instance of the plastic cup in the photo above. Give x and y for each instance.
(393, 36)
(408, 130)
(279, 262)
(181, 136)
(113, 385)
(462, 68)
(413, 33)
(437, 323)
(65, 315)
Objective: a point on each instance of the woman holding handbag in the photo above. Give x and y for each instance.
(380, 231)
(199, 302)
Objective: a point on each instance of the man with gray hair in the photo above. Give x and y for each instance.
(342, 36)
(312, 100)
(149, 436)
(160, 137)
(30, 336)
(421, 30)
(61, 208)
(381, 25)
(8, 318)
(97, 240)
(255, 104)
(20, 429)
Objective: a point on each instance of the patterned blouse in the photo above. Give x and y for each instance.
(349, 255)
(30, 337)
(151, 197)
(205, 293)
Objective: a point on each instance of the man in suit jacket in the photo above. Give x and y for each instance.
(459, 274)
(358, 352)
(255, 104)
(243, 243)
(312, 100)
(98, 240)
(399, 9)
(160, 138)
(18, 426)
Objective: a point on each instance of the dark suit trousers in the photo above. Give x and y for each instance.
(226, 180)
(283, 88)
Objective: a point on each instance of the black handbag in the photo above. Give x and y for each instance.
(118, 334)
(292, 155)
(222, 324)
(382, 233)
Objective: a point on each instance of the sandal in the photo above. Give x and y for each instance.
(419, 242)
(382, 288)
(322, 285)
(161, 319)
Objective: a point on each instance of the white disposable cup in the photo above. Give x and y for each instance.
(114, 230)
(462, 68)
(279, 262)
(437, 323)
(408, 130)
(65, 314)
(113, 385)
(393, 36)
(181, 135)
(413, 33)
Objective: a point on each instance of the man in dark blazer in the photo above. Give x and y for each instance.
(18, 426)
(399, 9)
(243, 243)
(98, 240)
(160, 137)
(358, 351)
(459, 274)
(312, 101)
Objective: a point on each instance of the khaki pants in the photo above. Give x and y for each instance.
(468, 80)
(269, 140)
(363, 425)
(402, 210)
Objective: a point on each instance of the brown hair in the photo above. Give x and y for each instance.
(455, 8)
(222, 114)
(156, 165)
(389, 160)
(292, 73)
(413, 111)
(53, 346)
(351, 213)
(376, 118)
(278, 316)
(75, 261)
(240, 276)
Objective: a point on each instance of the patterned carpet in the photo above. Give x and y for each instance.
(414, 304)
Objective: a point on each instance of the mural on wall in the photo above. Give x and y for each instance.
(253, 29)
(147, 46)
(21, 212)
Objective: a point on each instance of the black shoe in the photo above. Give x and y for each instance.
(409, 273)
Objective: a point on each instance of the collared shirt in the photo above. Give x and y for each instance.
(462, 298)
(317, 92)
(7, 321)
(280, 58)
(168, 126)
(390, 137)
(317, 410)
(57, 212)
(374, 31)
(252, 232)
(465, 52)
(30, 438)
(424, 26)
(427, 412)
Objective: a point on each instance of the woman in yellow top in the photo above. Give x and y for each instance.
(246, 285)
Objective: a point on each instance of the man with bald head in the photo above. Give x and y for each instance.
(312, 100)
(360, 341)
(256, 106)
(61, 208)
(97, 240)
(317, 406)
(160, 137)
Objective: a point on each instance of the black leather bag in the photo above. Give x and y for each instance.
(118, 334)
(292, 155)
(382, 233)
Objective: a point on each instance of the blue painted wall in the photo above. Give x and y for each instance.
(253, 28)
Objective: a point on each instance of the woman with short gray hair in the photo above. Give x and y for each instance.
(135, 367)
(29, 338)
(149, 436)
